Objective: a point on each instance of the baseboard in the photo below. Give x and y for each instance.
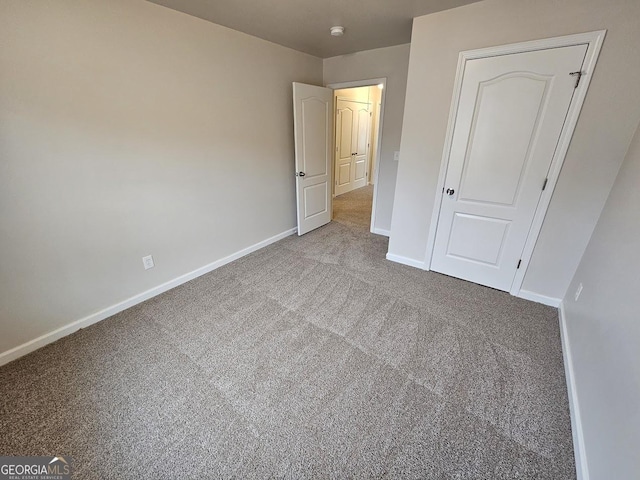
(380, 231)
(30, 346)
(536, 297)
(406, 261)
(582, 470)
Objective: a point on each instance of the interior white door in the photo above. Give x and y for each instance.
(353, 121)
(313, 126)
(510, 116)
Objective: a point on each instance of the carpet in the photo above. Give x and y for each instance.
(311, 358)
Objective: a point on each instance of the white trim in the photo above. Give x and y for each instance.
(30, 346)
(368, 83)
(380, 231)
(406, 261)
(536, 297)
(582, 468)
(594, 41)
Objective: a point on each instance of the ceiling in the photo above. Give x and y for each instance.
(304, 24)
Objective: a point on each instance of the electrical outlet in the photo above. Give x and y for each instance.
(148, 262)
(578, 292)
(396, 156)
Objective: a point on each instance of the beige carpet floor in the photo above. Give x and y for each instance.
(312, 358)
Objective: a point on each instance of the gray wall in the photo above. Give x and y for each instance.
(392, 63)
(604, 330)
(129, 129)
(604, 130)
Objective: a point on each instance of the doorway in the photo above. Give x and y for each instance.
(318, 165)
(357, 115)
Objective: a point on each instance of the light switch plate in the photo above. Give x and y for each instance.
(148, 262)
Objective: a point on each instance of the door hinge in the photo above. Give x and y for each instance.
(519, 262)
(579, 75)
(544, 185)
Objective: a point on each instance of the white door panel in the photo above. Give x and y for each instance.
(498, 143)
(314, 147)
(315, 200)
(466, 226)
(360, 166)
(510, 115)
(312, 132)
(344, 174)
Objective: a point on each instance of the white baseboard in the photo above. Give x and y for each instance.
(30, 346)
(406, 261)
(536, 297)
(380, 231)
(582, 470)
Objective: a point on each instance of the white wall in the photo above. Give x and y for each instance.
(392, 63)
(604, 331)
(606, 125)
(128, 129)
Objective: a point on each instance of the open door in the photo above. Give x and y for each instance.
(313, 127)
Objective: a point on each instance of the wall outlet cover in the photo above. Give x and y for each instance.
(148, 262)
(396, 156)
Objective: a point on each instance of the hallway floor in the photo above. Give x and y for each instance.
(354, 208)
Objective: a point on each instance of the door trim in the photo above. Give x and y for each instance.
(367, 83)
(594, 41)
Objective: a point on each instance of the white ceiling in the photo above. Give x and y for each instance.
(304, 24)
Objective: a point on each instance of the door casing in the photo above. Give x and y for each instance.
(594, 41)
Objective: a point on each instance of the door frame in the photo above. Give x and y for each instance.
(372, 82)
(594, 41)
